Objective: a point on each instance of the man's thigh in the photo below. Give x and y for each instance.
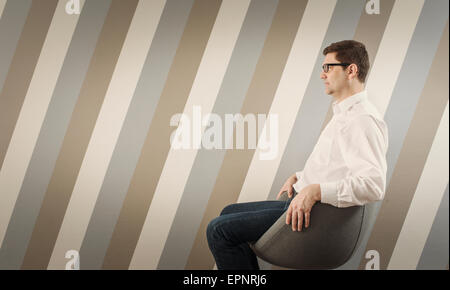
(255, 206)
(249, 226)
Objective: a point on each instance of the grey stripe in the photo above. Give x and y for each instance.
(207, 163)
(133, 133)
(435, 253)
(312, 113)
(52, 133)
(11, 24)
(406, 94)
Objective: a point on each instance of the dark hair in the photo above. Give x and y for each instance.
(351, 51)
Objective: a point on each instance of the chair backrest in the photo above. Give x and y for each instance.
(370, 215)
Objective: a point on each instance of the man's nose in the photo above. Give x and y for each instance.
(323, 75)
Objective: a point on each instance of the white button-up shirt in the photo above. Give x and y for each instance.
(349, 159)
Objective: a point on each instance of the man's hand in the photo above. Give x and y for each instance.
(287, 186)
(301, 205)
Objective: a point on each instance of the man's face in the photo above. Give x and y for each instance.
(336, 78)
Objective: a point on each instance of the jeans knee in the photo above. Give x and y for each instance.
(211, 230)
(228, 209)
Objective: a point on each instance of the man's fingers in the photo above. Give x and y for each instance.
(293, 219)
(307, 219)
(288, 215)
(300, 220)
(290, 192)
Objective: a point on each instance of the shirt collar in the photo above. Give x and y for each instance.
(347, 103)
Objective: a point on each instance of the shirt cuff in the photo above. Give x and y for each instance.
(329, 193)
(297, 174)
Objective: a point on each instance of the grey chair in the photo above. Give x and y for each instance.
(331, 239)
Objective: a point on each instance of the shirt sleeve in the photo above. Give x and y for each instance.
(363, 144)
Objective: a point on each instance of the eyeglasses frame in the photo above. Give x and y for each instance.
(327, 66)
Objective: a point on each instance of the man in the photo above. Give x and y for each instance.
(347, 166)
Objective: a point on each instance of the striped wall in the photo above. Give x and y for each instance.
(86, 102)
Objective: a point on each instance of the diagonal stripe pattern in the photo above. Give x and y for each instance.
(86, 100)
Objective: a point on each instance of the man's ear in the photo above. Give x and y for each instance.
(352, 71)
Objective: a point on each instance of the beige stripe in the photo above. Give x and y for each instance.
(418, 163)
(427, 197)
(257, 101)
(370, 32)
(157, 144)
(179, 162)
(78, 134)
(2, 6)
(33, 111)
(107, 129)
(294, 82)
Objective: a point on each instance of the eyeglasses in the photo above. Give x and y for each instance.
(326, 66)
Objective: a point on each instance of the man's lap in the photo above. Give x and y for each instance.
(255, 206)
(247, 222)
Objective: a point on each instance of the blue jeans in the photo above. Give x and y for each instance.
(237, 225)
